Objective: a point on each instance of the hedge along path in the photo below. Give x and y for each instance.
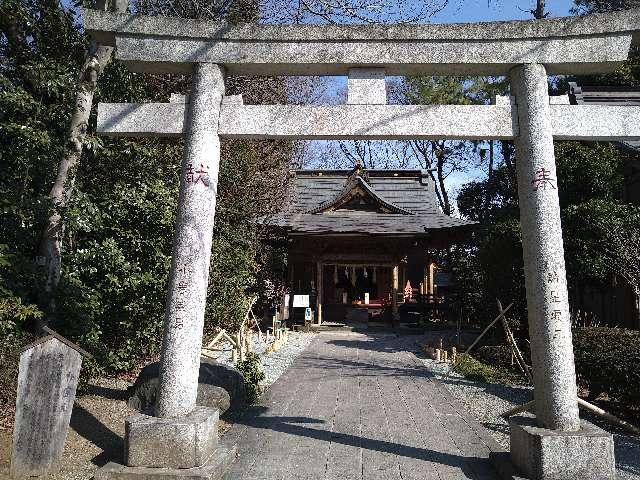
(526, 369)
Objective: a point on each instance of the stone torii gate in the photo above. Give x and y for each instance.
(558, 446)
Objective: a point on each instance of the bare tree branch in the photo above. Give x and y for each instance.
(349, 11)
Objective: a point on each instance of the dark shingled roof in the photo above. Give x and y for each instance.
(606, 95)
(399, 202)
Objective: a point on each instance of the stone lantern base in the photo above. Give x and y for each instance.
(542, 454)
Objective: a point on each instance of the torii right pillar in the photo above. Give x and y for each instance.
(555, 445)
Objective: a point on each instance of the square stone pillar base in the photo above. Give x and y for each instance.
(542, 454)
(183, 442)
(215, 468)
(172, 448)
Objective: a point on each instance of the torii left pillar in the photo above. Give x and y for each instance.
(182, 437)
(187, 295)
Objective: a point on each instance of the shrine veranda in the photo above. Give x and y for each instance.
(525, 51)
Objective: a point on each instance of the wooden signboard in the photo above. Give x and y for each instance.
(47, 381)
(300, 301)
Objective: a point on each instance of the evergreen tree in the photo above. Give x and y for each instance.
(119, 218)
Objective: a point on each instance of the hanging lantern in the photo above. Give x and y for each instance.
(335, 274)
(353, 276)
(373, 278)
(365, 272)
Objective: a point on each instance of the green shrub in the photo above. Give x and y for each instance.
(497, 355)
(251, 369)
(9, 357)
(473, 369)
(608, 361)
(119, 222)
(13, 315)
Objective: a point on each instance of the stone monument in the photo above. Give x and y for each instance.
(525, 51)
(47, 380)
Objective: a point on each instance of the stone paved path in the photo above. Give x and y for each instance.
(356, 406)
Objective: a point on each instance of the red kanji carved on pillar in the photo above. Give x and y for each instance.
(541, 179)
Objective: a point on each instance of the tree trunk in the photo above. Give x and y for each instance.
(489, 190)
(50, 250)
(538, 13)
(440, 159)
(636, 307)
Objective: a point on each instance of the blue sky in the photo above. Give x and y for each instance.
(483, 11)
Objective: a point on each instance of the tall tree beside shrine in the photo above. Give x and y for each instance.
(597, 234)
(119, 217)
(607, 230)
(37, 75)
(50, 250)
(601, 6)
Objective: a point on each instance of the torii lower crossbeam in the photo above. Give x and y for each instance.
(373, 122)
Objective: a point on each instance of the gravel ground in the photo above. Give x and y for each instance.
(274, 364)
(487, 401)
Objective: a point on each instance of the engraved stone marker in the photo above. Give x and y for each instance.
(47, 381)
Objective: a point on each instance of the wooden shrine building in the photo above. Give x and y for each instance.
(614, 303)
(357, 239)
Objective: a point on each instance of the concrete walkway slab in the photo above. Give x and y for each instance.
(355, 406)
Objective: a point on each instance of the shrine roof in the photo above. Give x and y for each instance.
(607, 95)
(374, 202)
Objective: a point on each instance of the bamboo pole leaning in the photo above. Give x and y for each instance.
(526, 370)
(608, 416)
(240, 341)
(584, 405)
(501, 315)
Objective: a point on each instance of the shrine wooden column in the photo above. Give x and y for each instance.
(290, 271)
(424, 282)
(290, 281)
(430, 272)
(319, 292)
(394, 293)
